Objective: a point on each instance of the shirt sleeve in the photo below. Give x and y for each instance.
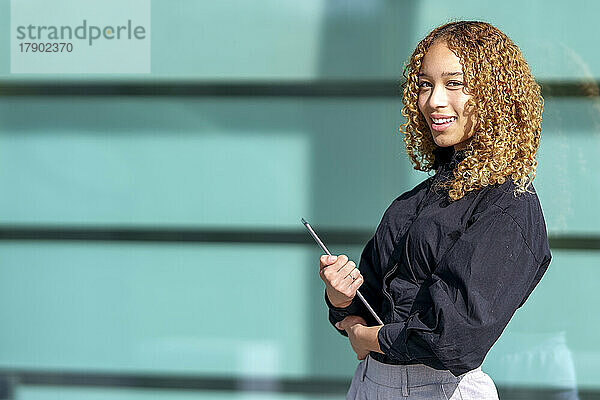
(474, 291)
(370, 289)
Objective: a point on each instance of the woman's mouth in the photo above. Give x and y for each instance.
(440, 124)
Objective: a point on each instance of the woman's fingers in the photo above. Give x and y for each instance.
(353, 287)
(348, 274)
(348, 269)
(341, 277)
(330, 269)
(350, 286)
(327, 273)
(342, 266)
(326, 260)
(339, 271)
(340, 262)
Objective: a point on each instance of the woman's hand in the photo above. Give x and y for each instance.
(342, 279)
(362, 337)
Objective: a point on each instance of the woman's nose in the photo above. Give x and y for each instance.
(438, 97)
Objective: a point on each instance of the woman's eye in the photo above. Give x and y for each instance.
(423, 84)
(455, 83)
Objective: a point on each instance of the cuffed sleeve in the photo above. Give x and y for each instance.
(370, 289)
(473, 292)
(337, 314)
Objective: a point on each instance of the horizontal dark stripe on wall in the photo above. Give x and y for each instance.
(296, 236)
(317, 88)
(11, 379)
(307, 386)
(368, 88)
(181, 235)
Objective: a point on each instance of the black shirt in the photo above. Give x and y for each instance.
(447, 276)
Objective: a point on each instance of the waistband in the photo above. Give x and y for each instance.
(407, 376)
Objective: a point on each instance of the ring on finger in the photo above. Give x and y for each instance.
(352, 276)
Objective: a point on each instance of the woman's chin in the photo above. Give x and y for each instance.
(442, 142)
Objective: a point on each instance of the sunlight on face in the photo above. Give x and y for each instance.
(443, 96)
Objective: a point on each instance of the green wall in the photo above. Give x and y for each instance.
(250, 163)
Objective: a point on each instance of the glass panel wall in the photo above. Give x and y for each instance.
(150, 223)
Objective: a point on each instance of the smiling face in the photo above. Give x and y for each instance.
(443, 98)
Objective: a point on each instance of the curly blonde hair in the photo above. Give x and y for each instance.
(507, 103)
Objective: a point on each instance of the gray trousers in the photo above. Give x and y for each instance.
(377, 381)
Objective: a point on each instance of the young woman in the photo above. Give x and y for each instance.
(456, 256)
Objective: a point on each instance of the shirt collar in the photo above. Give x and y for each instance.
(446, 156)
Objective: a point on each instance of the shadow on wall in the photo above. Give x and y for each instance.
(361, 40)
